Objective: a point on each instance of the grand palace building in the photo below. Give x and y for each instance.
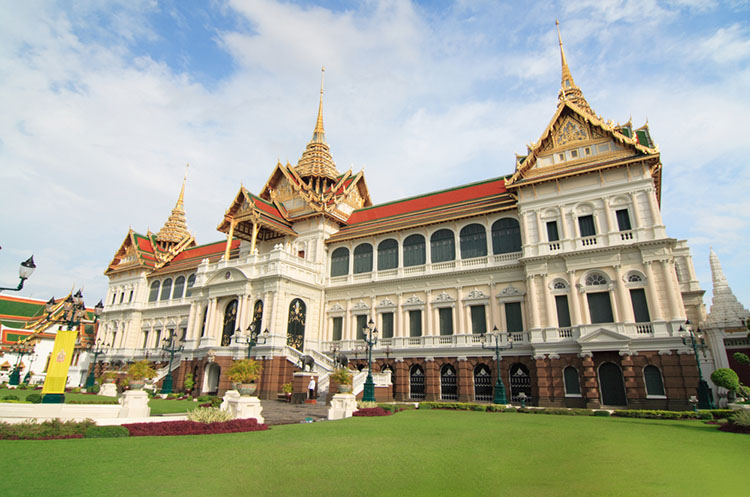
(566, 259)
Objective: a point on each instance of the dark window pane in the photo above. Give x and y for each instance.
(563, 311)
(340, 262)
(361, 326)
(154, 293)
(415, 323)
(552, 234)
(442, 246)
(654, 384)
(600, 307)
(363, 258)
(572, 383)
(623, 219)
(387, 318)
(166, 289)
(388, 254)
(338, 324)
(446, 320)
(190, 283)
(414, 250)
(179, 287)
(513, 318)
(506, 236)
(473, 241)
(478, 319)
(586, 224)
(640, 307)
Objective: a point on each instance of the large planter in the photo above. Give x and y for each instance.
(136, 384)
(109, 380)
(246, 389)
(345, 388)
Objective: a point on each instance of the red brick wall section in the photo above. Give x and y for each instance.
(544, 382)
(590, 384)
(432, 380)
(465, 381)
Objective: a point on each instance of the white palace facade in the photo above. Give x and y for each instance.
(567, 258)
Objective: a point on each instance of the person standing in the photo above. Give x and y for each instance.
(311, 389)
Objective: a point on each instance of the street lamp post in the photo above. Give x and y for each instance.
(27, 378)
(252, 338)
(98, 349)
(499, 397)
(20, 349)
(694, 339)
(371, 338)
(171, 347)
(24, 271)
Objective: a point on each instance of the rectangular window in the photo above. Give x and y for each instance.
(338, 326)
(586, 223)
(513, 317)
(122, 297)
(130, 298)
(623, 220)
(361, 326)
(563, 311)
(640, 307)
(445, 315)
(387, 318)
(600, 307)
(478, 319)
(157, 342)
(587, 151)
(415, 323)
(114, 296)
(574, 154)
(552, 234)
(184, 334)
(145, 339)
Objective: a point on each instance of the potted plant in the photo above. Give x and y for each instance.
(244, 373)
(109, 377)
(138, 373)
(343, 378)
(287, 389)
(188, 383)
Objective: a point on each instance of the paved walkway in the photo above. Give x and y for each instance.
(283, 413)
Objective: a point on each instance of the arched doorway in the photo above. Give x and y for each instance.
(520, 381)
(211, 378)
(295, 330)
(612, 385)
(448, 383)
(416, 382)
(230, 320)
(482, 383)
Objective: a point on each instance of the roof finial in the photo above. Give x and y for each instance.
(318, 133)
(180, 199)
(567, 78)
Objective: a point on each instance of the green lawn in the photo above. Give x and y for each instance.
(430, 453)
(158, 406)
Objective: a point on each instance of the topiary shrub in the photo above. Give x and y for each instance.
(11, 396)
(603, 414)
(34, 398)
(106, 432)
(741, 358)
(93, 388)
(726, 378)
(707, 416)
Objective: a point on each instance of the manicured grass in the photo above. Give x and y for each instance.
(158, 406)
(430, 453)
(164, 406)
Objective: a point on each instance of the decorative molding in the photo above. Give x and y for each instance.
(444, 297)
(336, 308)
(510, 291)
(360, 306)
(475, 295)
(429, 359)
(554, 356)
(665, 352)
(386, 302)
(398, 359)
(414, 300)
(461, 358)
(538, 357)
(585, 354)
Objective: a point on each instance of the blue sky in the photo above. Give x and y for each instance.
(104, 103)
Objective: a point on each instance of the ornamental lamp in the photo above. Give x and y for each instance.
(26, 268)
(98, 308)
(50, 305)
(68, 305)
(78, 298)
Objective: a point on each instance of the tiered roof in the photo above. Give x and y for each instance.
(726, 311)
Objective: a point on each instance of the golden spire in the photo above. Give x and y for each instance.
(175, 229)
(316, 160)
(568, 89)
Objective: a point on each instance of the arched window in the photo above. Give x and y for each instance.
(572, 382)
(594, 279)
(598, 298)
(257, 315)
(414, 250)
(448, 383)
(506, 236)
(153, 295)
(340, 262)
(295, 330)
(388, 254)
(363, 258)
(230, 320)
(612, 385)
(520, 381)
(166, 289)
(482, 383)
(416, 382)
(442, 246)
(634, 278)
(473, 241)
(654, 383)
(190, 283)
(179, 286)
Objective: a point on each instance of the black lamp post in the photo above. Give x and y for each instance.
(27, 378)
(252, 338)
(499, 397)
(371, 338)
(171, 347)
(24, 271)
(694, 339)
(20, 349)
(98, 349)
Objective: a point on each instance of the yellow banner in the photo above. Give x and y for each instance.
(59, 362)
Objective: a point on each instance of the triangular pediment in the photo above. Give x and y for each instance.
(603, 336)
(129, 255)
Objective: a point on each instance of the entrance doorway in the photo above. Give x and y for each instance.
(612, 385)
(211, 379)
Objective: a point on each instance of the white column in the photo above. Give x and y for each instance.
(654, 306)
(539, 237)
(654, 207)
(615, 301)
(611, 226)
(549, 302)
(502, 324)
(677, 310)
(348, 322)
(461, 318)
(623, 297)
(575, 303)
(427, 331)
(532, 300)
(493, 307)
(636, 210)
(563, 224)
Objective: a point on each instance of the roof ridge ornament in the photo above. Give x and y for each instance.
(316, 160)
(569, 91)
(175, 229)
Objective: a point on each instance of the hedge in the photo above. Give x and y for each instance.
(106, 432)
(46, 430)
(193, 427)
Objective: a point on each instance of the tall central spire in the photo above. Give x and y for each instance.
(725, 310)
(568, 89)
(175, 229)
(316, 160)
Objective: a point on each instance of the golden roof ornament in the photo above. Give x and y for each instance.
(316, 160)
(569, 92)
(175, 229)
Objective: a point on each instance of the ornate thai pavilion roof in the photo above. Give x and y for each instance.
(316, 160)
(568, 90)
(726, 311)
(175, 229)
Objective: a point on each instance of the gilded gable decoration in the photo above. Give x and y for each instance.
(570, 131)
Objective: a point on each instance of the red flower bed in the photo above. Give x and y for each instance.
(165, 428)
(734, 428)
(372, 411)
